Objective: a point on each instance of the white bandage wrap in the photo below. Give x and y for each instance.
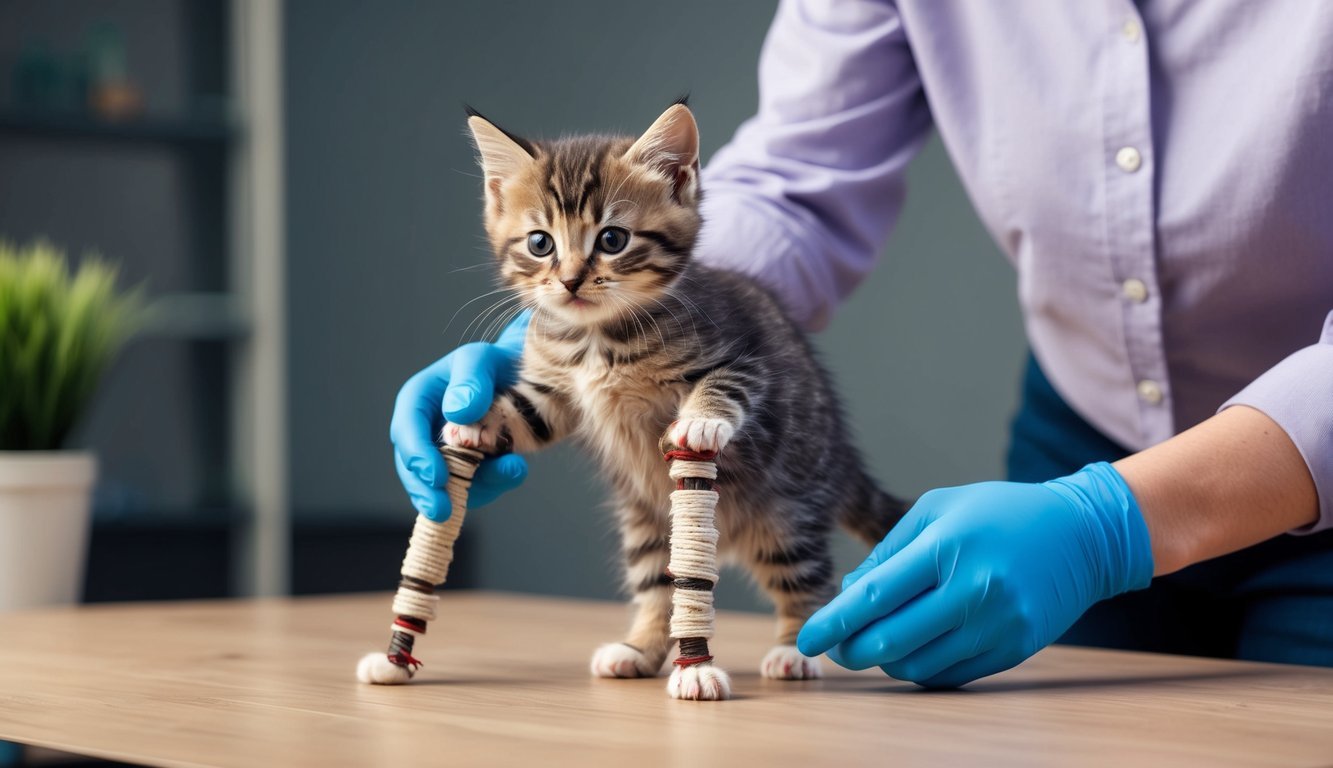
(693, 556)
(680, 468)
(431, 549)
(409, 602)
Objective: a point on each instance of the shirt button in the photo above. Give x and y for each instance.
(1131, 31)
(1135, 290)
(1150, 392)
(1129, 159)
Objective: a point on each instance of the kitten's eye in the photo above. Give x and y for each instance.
(612, 240)
(540, 244)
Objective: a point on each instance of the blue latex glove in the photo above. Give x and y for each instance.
(457, 387)
(975, 579)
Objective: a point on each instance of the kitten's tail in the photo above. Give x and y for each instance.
(877, 512)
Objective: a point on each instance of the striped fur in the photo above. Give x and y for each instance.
(630, 352)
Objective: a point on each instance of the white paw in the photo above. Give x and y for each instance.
(702, 434)
(488, 435)
(784, 662)
(376, 668)
(699, 682)
(620, 660)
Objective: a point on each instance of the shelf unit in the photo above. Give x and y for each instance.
(186, 133)
(249, 317)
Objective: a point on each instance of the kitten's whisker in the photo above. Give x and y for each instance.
(634, 310)
(481, 318)
(619, 186)
(485, 333)
(468, 333)
(613, 208)
(502, 321)
(471, 301)
(643, 334)
(679, 325)
(479, 265)
(693, 304)
(498, 310)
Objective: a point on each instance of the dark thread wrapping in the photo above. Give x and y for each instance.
(417, 585)
(693, 647)
(694, 484)
(400, 645)
(699, 585)
(466, 454)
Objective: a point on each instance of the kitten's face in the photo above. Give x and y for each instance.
(589, 229)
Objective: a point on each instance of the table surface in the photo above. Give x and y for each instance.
(270, 682)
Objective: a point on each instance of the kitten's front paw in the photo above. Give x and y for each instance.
(622, 660)
(699, 682)
(784, 662)
(490, 435)
(701, 434)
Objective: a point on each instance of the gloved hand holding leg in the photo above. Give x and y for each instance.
(458, 387)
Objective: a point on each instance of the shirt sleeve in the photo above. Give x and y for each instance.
(805, 194)
(1297, 393)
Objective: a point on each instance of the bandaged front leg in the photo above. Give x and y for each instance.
(693, 570)
(425, 567)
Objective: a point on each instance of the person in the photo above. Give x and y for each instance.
(1160, 175)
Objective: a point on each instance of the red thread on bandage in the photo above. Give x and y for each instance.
(689, 661)
(687, 455)
(406, 623)
(405, 659)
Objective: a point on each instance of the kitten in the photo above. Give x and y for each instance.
(633, 349)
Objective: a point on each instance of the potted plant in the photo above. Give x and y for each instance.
(58, 331)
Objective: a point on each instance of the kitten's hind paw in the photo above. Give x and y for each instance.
(623, 660)
(699, 682)
(704, 435)
(784, 662)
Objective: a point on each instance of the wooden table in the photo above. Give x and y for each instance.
(270, 683)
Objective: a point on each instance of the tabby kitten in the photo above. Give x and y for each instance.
(634, 348)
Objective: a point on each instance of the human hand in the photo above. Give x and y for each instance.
(458, 388)
(976, 579)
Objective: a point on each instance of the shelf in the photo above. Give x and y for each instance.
(184, 133)
(206, 316)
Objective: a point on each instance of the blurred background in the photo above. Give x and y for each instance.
(292, 184)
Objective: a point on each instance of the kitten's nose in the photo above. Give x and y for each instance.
(573, 283)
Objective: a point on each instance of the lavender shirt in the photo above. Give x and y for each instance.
(1160, 175)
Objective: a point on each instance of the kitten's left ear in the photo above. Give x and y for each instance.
(670, 146)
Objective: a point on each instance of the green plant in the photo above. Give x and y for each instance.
(58, 331)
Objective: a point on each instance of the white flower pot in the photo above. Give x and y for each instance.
(45, 507)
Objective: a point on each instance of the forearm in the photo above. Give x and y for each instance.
(1229, 483)
(804, 195)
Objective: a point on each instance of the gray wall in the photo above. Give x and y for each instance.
(384, 231)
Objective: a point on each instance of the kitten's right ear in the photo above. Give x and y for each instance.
(500, 153)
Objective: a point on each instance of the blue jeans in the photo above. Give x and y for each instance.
(1271, 602)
